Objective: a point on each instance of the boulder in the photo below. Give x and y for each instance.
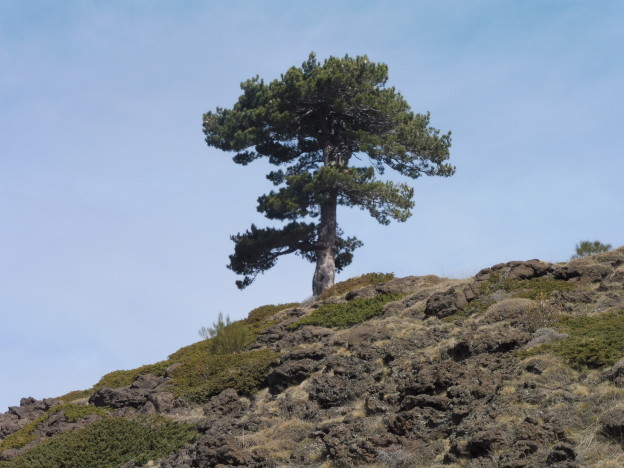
(118, 397)
(225, 404)
(294, 368)
(580, 271)
(544, 335)
(448, 302)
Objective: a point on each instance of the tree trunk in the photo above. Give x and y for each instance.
(325, 262)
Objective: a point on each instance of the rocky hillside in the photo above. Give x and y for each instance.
(519, 366)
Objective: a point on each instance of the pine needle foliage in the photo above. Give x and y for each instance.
(586, 248)
(331, 129)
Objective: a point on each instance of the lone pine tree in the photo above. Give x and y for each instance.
(585, 248)
(312, 123)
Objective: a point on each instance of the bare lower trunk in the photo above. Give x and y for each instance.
(325, 262)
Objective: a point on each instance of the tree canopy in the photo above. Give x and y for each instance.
(312, 124)
(585, 248)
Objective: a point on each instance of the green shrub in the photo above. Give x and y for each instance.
(75, 412)
(27, 433)
(538, 288)
(123, 378)
(76, 395)
(358, 282)
(585, 248)
(227, 337)
(347, 314)
(203, 374)
(260, 314)
(594, 342)
(108, 443)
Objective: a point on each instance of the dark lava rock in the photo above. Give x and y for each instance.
(294, 368)
(591, 273)
(612, 424)
(227, 403)
(560, 453)
(353, 442)
(448, 302)
(147, 393)
(118, 397)
(215, 449)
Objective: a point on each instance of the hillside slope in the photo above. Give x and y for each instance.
(520, 366)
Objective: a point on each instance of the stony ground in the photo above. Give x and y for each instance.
(452, 373)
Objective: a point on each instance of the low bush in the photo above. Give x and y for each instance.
(358, 282)
(27, 433)
(594, 341)
(123, 378)
(76, 395)
(490, 292)
(260, 314)
(538, 288)
(347, 314)
(203, 374)
(526, 313)
(108, 443)
(75, 412)
(586, 248)
(227, 337)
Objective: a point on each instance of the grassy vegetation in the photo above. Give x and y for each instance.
(358, 282)
(75, 412)
(24, 436)
(110, 442)
(536, 289)
(347, 314)
(594, 342)
(123, 378)
(76, 395)
(27, 433)
(212, 365)
(259, 315)
(227, 337)
(208, 366)
(203, 374)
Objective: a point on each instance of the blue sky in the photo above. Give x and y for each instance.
(115, 216)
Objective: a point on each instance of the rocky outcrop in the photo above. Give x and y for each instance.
(147, 394)
(293, 368)
(440, 377)
(28, 410)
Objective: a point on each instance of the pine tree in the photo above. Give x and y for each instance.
(312, 123)
(585, 248)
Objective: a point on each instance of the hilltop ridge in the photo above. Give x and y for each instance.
(521, 365)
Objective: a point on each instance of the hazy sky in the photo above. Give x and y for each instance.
(115, 216)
